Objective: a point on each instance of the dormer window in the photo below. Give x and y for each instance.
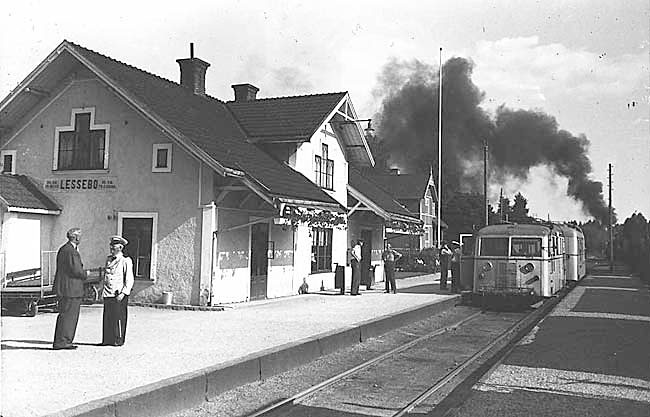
(83, 145)
(324, 169)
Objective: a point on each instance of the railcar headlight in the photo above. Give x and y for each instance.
(533, 279)
(527, 269)
(487, 266)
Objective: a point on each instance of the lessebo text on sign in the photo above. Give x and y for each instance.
(81, 184)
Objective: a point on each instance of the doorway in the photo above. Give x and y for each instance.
(467, 262)
(259, 260)
(139, 229)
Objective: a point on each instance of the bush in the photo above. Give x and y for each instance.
(425, 260)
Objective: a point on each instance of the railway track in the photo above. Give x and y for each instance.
(416, 377)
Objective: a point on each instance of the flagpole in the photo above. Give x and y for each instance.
(439, 148)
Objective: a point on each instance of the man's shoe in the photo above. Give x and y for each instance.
(65, 347)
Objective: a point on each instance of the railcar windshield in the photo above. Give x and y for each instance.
(494, 246)
(526, 246)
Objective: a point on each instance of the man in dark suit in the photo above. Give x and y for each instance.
(69, 286)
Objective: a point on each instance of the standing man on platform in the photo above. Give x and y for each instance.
(69, 287)
(118, 283)
(355, 262)
(445, 258)
(455, 267)
(389, 256)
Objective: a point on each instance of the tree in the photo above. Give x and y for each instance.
(596, 238)
(464, 213)
(518, 210)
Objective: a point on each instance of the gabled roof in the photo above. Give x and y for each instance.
(21, 193)
(202, 125)
(366, 189)
(284, 119)
(402, 186)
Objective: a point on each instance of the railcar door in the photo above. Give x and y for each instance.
(467, 262)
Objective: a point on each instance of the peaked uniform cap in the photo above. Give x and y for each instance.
(118, 240)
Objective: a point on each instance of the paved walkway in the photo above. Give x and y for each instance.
(165, 343)
(589, 357)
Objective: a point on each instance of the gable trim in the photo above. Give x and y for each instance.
(38, 113)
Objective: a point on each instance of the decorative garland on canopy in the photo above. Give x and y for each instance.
(406, 227)
(314, 218)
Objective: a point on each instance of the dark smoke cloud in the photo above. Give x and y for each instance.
(518, 139)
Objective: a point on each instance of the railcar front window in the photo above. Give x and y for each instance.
(529, 247)
(494, 246)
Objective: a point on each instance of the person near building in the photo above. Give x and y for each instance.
(389, 256)
(445, 258)
(69, 288)
(455, 267)
(118, 283)
(355, 262)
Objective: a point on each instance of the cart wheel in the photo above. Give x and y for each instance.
(32, 308)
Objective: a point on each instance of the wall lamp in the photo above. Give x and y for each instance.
(368, 130)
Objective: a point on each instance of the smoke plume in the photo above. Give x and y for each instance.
(517, 139)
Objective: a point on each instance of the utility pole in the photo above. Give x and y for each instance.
(485, 181)
(501, 206)
(440, 149)
(611, 226)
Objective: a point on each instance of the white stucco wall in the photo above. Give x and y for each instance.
(232, 270)
(173, 196)
(281, 280)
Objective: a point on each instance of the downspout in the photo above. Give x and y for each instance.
(213, 250)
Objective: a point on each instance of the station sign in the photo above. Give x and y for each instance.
(74, 184)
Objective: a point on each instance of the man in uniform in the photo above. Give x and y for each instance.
(455, 267)
(355, 262)
(118, 283)
(69, 287)
(445, 257)
(389, 256)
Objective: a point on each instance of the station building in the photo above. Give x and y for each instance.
(220, 201)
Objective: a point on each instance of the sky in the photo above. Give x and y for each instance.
(585, 62)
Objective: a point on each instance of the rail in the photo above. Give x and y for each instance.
(493, 350)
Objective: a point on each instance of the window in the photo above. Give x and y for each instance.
(324, 170)
(83, 145)
(8, 162)
(427, 236)
(321, 250)
(161, 160)
(494, 246)
(528, 247)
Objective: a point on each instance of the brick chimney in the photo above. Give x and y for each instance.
(193, 72)
(245, 92)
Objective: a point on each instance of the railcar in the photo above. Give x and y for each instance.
(519, 263)
(575, 256)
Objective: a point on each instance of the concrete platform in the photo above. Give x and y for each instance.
(174, 359)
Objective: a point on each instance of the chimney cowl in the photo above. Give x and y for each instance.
(193, 73)
(245, 92)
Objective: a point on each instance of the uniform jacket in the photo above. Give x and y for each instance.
(118, 276)
(70, 275)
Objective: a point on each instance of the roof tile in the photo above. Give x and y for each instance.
(209, 124)
(284, 118)
(20, 191)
